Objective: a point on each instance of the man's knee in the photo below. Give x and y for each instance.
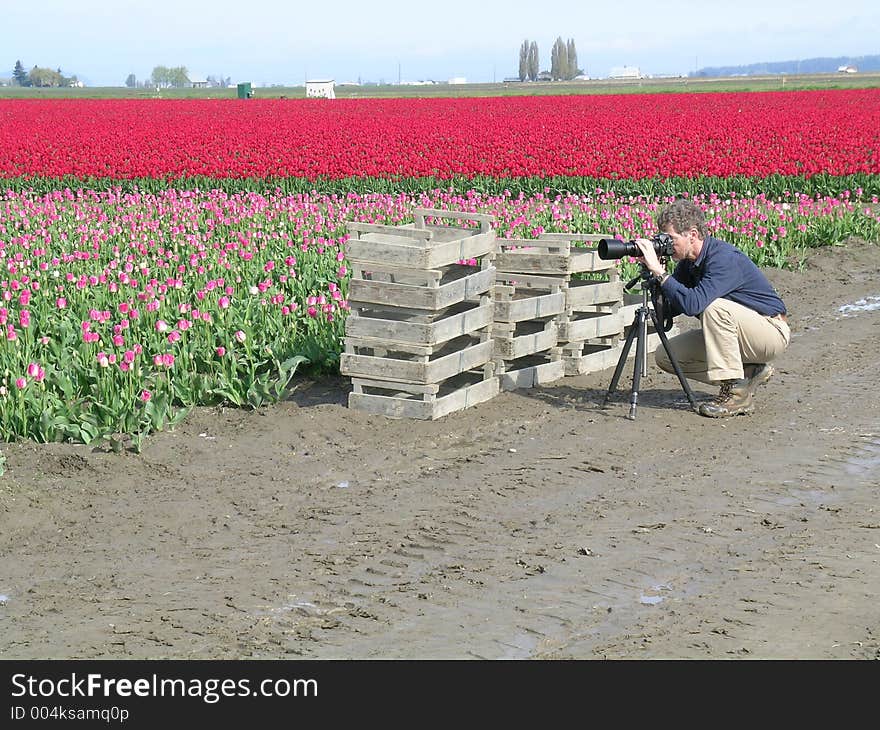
(717, 311)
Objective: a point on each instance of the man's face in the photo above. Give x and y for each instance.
(682, 243)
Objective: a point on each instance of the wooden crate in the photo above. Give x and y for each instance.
(582, 294)
(420, 245)
(518, 339)
(588, 325)
(418, 326)
(520, 297)
(415, 363)
(436, 290)
(530, 371)
(552, 253)
(423, 402)
(591, 357)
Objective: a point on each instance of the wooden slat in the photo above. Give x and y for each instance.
(485, 220)
(358, 227)
(595, 325)
(532, 307)
(582, 294)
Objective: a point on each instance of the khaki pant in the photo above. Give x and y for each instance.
(732, 335)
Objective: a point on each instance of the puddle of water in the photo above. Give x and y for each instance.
(811, 496)
(868, 304)
(3, 599)
(864, 463)
(650, 600)
(521, 646)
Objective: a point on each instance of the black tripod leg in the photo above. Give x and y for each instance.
(624, 354)
(675, 366)
(639, 363)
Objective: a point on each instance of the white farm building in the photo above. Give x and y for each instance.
(625, 72)
(320, 88)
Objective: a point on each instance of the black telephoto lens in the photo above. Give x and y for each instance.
(611, 248)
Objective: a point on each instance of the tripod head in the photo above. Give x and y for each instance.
(650, 282)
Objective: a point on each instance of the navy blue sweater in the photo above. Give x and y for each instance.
(721, 270)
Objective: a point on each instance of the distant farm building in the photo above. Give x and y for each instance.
(625, 72)
(457, 80)
(847, 69)
(198, 82)
(320, 89)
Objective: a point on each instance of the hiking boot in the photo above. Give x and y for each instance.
(734, 399)
(757, 375)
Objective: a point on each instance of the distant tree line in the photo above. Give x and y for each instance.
(798, 66)
(164, 77)
(40, 77)
(563, 61)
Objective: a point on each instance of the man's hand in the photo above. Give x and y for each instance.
(649, 257)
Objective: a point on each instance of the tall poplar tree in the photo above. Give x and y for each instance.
(559, 61)
(534, 64)
(524, 60)
(573, 69)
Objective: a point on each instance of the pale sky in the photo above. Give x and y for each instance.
(281, 42)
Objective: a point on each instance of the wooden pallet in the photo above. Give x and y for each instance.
(423, 402)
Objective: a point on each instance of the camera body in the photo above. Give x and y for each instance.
(611, 248)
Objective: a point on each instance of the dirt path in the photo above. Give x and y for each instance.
(537, 525)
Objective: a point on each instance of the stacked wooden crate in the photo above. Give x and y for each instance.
(418, 337)
(591, 322)
(526, 328)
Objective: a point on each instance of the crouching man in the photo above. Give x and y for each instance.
(744, 322)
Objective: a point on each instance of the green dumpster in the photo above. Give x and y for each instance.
(244, 91)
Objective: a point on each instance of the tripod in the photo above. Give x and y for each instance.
(639, 330)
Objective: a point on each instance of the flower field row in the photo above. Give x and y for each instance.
(630, 137)
(121, 310)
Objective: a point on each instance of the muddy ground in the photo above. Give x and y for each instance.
(536, 525)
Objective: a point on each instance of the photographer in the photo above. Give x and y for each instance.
(744, 322)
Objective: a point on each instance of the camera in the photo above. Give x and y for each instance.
(611, 248)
